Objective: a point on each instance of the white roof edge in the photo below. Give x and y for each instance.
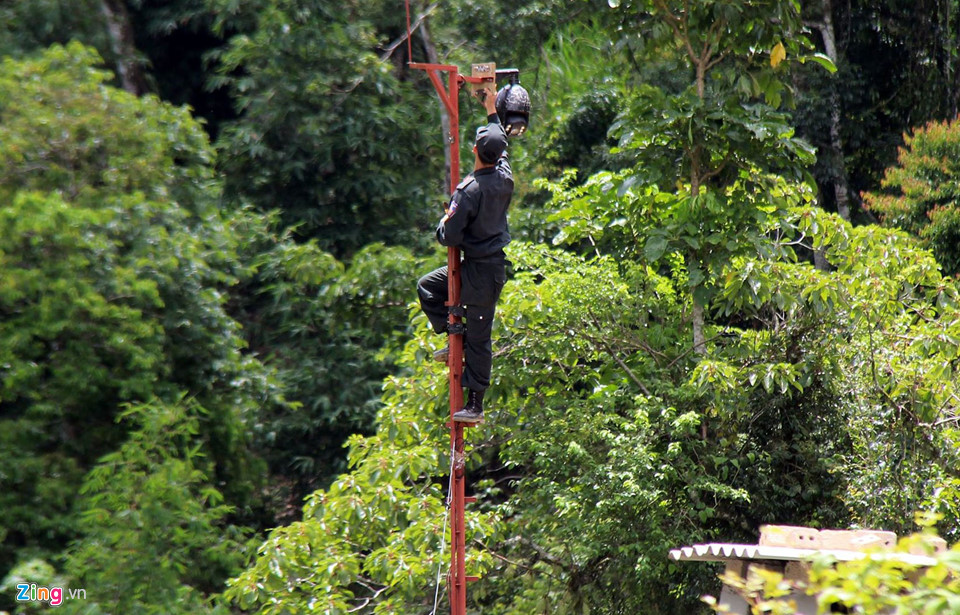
(721, 552)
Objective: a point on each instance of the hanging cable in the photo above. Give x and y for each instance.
(443, 534)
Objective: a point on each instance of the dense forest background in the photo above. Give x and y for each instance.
(732, 299)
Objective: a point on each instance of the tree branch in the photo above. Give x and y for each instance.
(678, 26)
(389, 49)
(723, 164)
(603, 344)
(386, 54)
(692, 348)
(718, 59)
(542, 553)
(707, 49)
(374, 594)
(513, 563)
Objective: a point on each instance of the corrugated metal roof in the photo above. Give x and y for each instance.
(721, 552)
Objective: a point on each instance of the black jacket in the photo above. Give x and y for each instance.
(477, 218)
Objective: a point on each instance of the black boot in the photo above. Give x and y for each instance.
(473, 410)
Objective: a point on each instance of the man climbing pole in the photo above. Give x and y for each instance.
(476, 222)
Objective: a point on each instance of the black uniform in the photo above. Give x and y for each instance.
(476, 223)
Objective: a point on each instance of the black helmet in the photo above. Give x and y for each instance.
(513, 108)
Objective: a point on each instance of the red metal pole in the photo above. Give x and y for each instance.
(458, 580)
(458, 577)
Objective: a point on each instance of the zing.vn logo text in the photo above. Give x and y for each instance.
(54, 595)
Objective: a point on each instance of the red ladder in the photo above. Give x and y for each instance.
(457, 578)
(450, 97)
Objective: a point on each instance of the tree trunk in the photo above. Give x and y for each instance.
(699, 341)
(701, 78)
(948, 48)
(955, 84)
(841, 189)
(820, 260)
(431, 52)
(122, 43)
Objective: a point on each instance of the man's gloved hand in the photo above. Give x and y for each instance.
(488, 97)
(489, 101)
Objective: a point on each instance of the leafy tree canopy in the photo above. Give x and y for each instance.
(920, 193)
(154, 533)
(611, 437)
(823, 396)
(610, 442)
(328, 330)
(321, 136)
(115, 258)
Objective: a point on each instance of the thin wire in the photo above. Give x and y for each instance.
(443, 534)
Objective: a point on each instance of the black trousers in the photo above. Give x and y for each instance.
(480, 286)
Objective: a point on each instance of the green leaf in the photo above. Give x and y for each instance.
(821, 59)
(655, 247)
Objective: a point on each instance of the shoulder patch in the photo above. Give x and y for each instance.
(469, 179)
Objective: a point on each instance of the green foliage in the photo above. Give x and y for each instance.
(170, 37)
(327, 330)
(920, 195)
(897, 66)
(378, 526)
(721, 125)
(891, 584)
(326, 134)
(115, 258)
(608, 441)
(596, 425)
(577, 89)
(609, 437)
(582, 98)
(816, 397)
(887, 317)
(512, 32)
(173, 40)
(154, 531)
(115, 143)
(27, 26)
(373, 538)
(594, 438)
